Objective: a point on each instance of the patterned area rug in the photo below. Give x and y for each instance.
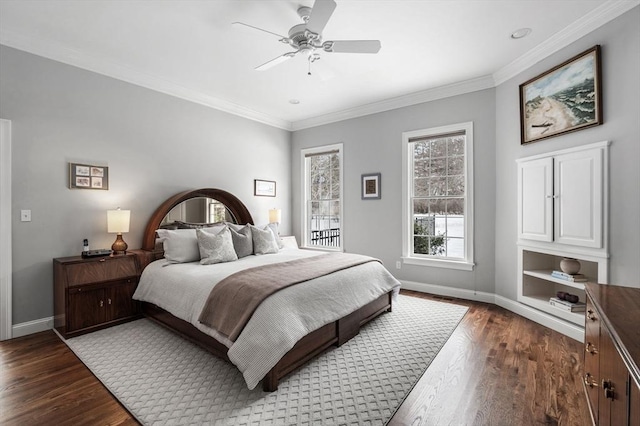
(163, 379)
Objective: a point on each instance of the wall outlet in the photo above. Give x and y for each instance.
(25, 215)
(398, 264)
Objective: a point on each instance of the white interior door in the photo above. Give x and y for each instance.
(5, 230)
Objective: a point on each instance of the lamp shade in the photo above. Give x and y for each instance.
(118, 221)
(275, 216)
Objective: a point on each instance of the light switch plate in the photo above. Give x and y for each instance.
(25, 215)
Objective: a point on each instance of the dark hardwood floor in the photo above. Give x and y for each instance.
(497, 368)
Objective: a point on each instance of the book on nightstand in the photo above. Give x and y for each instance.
(567, 306)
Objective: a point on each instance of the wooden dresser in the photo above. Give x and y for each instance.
(94, 293)
(612, 354)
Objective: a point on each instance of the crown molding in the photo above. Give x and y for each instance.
(100, 65)
(596, 18)
(599, 16)
(428, 95)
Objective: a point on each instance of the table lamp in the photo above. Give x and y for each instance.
(117, 223)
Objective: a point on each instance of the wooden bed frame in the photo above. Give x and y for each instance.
(335, 333)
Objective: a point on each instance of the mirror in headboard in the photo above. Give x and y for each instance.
(197, 206)
(198, 210)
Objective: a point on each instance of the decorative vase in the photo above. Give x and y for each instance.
(569, 266)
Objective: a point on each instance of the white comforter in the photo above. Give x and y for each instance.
(281, 320)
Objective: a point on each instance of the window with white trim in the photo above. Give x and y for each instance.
(438, 196)
(322, 192)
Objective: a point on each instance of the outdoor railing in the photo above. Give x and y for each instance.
(326, 237)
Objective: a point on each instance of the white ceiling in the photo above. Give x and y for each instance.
(188, 48)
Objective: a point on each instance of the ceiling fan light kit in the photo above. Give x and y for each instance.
(306, 38)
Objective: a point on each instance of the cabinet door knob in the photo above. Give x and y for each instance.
(101, 303)
(109, 301)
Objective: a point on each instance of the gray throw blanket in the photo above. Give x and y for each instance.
(234, 299)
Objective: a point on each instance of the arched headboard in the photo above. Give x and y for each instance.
(233, 204)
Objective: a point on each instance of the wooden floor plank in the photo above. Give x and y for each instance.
(497, 368)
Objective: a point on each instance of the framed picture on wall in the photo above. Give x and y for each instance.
(371, 186)
(85, 176)
(264, 188)
(564, 99)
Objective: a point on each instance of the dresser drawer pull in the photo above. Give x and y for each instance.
(101, 303)
(589, 348)
(608, 389)
(103, 260)
(109, 301)
(590, 381)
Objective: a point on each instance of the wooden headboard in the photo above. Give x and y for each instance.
(236, 208)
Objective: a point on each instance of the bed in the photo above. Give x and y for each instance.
(289, 327)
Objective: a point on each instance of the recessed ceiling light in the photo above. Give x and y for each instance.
(521, 33)
(294, 101)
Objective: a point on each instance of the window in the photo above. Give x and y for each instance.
(438, 196)
(322, 192)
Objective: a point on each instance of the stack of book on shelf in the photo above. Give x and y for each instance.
(567, 306)
(575, 278)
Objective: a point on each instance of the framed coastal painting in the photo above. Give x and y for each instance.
(564, 99)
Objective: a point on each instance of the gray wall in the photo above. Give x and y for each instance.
(374, 144)
(155, 146)
(620, 42)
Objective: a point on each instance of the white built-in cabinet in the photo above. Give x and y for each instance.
(562, 212)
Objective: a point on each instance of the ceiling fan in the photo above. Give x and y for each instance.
(306, 38)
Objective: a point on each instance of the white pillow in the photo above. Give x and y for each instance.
(276, 234)
(215, 248)
(264, 241)
(180, 245)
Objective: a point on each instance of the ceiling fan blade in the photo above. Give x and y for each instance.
(352, 46)
(275, 61)
(320, 14)
(260, 29)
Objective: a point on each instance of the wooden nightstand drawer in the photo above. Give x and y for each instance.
(103, 269)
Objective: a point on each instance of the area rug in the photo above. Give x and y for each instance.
(163, 379)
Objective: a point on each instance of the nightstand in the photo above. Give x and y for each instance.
(94, 293)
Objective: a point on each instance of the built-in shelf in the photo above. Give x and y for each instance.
(542, 303)
(536, 285)
(545, 274)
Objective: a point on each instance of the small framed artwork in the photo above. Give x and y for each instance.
(371, 186)
(85, 176)
(564, 99)
(264, 188)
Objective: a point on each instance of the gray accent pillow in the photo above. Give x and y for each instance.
(264, 241)
(242, 241)
(215, 248)
(180, 245)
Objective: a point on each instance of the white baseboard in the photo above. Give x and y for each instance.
(534, 315)
(30, 327)
(478, 296)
